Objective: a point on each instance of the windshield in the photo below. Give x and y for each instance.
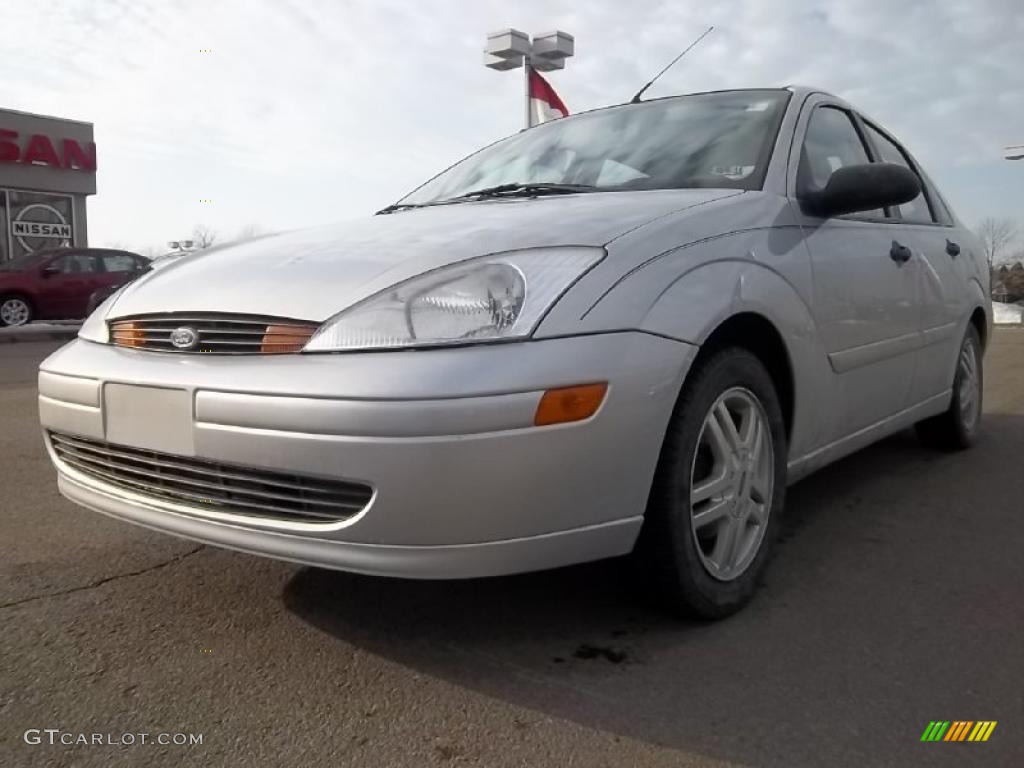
(720, 139)
(26, 260)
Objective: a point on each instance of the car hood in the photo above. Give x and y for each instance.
(314, 274)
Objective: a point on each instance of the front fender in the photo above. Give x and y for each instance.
(687, 293)
(979, 297)
(696, 302)
(699, 301)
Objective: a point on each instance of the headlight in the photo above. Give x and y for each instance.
(95, 326)
(487, 299)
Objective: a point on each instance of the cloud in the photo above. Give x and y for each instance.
(316, 110)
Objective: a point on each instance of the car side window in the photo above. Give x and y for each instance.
(945, 215)
(917, 210)
(75, 263)
(119, 262)
(831, 142)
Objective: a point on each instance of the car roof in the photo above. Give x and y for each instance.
(799, 91)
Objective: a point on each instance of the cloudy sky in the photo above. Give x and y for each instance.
(308, 111)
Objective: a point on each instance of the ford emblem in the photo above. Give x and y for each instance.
(184, 338)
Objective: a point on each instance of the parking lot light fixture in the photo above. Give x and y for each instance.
(511, 49)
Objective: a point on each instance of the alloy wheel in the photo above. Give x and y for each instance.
(731, 484)
(14, 312)
(969, 386)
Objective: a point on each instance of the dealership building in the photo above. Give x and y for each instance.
(47, 169)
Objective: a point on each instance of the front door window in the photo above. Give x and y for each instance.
(831, 143)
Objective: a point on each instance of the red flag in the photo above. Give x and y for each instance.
(544, 102)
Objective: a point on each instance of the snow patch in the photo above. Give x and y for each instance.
(1007, 313)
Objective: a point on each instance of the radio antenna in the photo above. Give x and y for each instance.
(636, 99)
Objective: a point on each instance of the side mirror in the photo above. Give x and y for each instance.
(49, 270)
(863, 188)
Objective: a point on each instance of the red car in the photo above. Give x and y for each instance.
(57, 284)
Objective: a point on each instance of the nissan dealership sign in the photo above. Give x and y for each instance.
(37, 225)
(46, 154)
(47, 169)
(40, 149)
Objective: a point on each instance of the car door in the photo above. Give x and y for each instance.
(929, 226)
(71, 279)
(864, 279)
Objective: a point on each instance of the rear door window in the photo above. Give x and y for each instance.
(119, 262)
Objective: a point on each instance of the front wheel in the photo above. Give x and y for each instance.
(719, 488)
(14, 310)
(957, 428)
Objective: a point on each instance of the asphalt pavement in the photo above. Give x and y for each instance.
(895, 598)
(56, 330)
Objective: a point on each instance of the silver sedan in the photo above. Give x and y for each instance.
(625, 331)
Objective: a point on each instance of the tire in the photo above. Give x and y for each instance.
(15, 310)
(683, 547)
(957, 428)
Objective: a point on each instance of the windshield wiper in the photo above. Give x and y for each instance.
(522, 189)
(399, 207)
(516, 189)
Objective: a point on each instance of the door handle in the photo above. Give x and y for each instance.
(953, 249)
(899, 253)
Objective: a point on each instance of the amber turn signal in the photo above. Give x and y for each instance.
(126, 334)
(565, 404)
(279, 339)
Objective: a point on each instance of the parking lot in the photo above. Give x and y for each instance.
(896, 597)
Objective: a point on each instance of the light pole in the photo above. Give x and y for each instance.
(511, 49)
(1015, 152)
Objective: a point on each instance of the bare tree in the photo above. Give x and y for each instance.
(249, 231)
(203, 237)
(996, 235)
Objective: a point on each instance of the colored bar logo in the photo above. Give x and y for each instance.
(958, 730)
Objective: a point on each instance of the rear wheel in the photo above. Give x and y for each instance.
(719, 488)
(957, 428)
(14, 310)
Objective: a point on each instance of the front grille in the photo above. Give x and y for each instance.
(224, 334)
(210, 485)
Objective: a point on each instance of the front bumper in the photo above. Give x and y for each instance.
(463, 484)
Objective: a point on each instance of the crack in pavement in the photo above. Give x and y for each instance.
(105, 580)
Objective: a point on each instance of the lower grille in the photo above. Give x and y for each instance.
(213, 486)
(224, 334)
